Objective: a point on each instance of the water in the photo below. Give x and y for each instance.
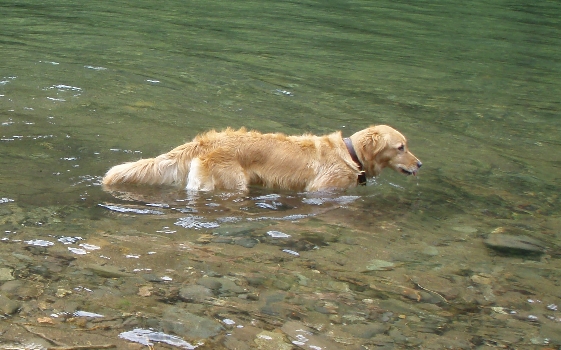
(401, 263)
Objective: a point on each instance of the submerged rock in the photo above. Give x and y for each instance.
(369, 330)
(379, 265)
(6, 274)
(514, 244)
(195, 293)
(107, 271)
(186, 324)
(246, 242)
(465, 229)
(8, 306)
(271, 341)
(237, 230)
(221, 285)
(304, 337)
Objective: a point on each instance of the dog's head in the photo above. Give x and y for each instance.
(382, 146)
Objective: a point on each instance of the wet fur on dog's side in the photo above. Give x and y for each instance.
(235, 159)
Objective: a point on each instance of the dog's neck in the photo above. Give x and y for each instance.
(362, 176)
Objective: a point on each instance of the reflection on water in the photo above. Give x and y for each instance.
(464, 256)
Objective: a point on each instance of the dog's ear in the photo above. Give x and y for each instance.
(373, 144)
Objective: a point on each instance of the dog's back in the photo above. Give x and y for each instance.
(234, 159)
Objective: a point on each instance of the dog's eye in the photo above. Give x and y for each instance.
(401, 148)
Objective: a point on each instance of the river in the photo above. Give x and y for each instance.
(466, 255)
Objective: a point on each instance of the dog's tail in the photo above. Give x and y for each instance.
(170, 168)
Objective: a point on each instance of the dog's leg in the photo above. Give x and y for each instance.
(199, 178)
(219, 169)
(230, 176)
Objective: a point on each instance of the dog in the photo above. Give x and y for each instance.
(235, 159)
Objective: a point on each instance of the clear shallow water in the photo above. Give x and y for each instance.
(400, 263)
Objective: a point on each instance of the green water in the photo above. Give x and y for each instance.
(474, 86)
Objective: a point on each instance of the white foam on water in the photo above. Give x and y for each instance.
(277, 234)
(147, 336)
(40, 243)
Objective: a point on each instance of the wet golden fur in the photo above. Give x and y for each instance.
(235, 159)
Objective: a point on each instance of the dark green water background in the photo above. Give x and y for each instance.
(475, 86)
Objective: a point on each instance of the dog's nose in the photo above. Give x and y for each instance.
(419, 164)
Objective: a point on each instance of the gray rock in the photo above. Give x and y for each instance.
(22, 289)
(399, 307)
(237, 229)
(397, 336)
(150, 277)
(514, 244)
(71, 306)
(552, 332)
(353, 319)
(302, 280)
(211, 283)
(195, 293)
(11, 287)
(6, 274)
(297, 331)
(274, 296)
(232, 231)
(246, 242)
(282, 285)
(221, 285)
(256, 281)
(271, 341)
(230, 287)
(107, 271)
(186, 324)
(274, 302)
(8, 306)
(430, 251)
(366, 331)
(22, 257)
(224, 240)
(465, 229)
(233, 343)
(340, 287)
(379, 265)
(350, 240)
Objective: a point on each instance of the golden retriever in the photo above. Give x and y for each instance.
(236, 159)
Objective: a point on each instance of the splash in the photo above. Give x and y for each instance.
(194, 222)
(86, 314)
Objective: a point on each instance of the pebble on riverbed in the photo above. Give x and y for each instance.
(8, 306)
(271, 341)
(514, 244)
(6, 274)
(379, 265)
(196, 293)
(186, 324)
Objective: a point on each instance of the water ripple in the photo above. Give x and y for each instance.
(120, 209)
(194, 222)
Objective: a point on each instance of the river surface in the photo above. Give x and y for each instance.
(464, 256)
